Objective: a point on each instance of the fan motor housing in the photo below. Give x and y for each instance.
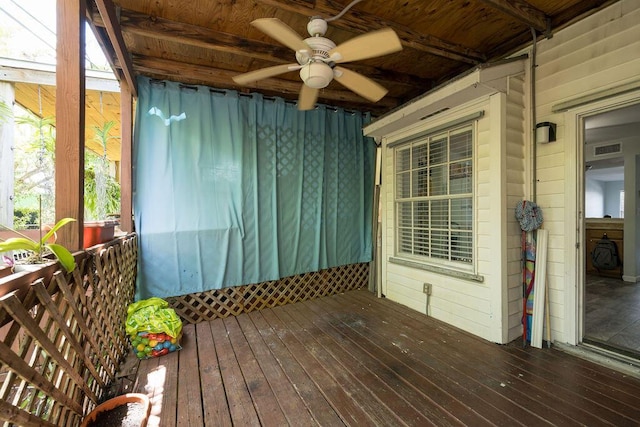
(320, 47)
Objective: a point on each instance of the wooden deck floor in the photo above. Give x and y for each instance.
(353, 359)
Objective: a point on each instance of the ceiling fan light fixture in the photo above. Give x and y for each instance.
(317, 75)
(318, 58)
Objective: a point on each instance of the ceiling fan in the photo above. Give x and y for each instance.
(317, 58)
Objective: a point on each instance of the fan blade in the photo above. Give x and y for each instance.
(254, 76)
(369, 45)
(280, 31)
(308, 98)
(363, 86)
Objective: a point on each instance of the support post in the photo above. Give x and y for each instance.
(70, 115)
(126, 121)
(7, 143)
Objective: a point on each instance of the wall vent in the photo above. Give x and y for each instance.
(607, 150)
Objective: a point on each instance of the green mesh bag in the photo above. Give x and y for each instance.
(152, 315)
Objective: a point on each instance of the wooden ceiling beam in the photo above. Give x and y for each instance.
(178, 32)
(365, 22)
(523, 12)
(200, 74)
(109, 17)
(102, 38)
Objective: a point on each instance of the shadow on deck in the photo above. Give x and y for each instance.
(353, 359)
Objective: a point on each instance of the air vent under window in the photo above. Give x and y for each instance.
(604, 150)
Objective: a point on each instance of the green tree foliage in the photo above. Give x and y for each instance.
(34, 161)
(25, 218)
(34, 171)
(101, 191)
(111, 194)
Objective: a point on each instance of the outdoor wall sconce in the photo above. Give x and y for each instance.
(545, 132)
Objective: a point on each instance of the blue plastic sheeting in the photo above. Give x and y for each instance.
(232, 190)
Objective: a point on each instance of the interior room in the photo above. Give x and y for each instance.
(612, 296)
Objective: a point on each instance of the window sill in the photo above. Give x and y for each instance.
(436, 269)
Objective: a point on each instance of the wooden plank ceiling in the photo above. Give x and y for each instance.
(208, 42)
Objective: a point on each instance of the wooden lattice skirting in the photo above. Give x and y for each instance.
(62, 336)
(204, 306)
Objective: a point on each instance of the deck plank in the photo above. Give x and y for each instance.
(214, 400)
(238, 397)
(354, 359)
(470, 370)
(149, 383)
(367, 370)
(461, 397)
(519, 384)
(342, 372)
(168, 367)
(575, 403)
(284, 393)
(615, 380)
(264, 400)
(314, 400)
(339, 391)
(591, 395)
(189, 397)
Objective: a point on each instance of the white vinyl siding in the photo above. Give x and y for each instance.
(598, 53)
(483, 307)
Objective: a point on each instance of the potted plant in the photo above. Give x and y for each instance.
(131, 409)
(39, 249)
(101, 192)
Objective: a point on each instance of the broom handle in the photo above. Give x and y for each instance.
(524, 289)
(547, 315)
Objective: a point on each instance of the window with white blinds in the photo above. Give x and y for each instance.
(434, 197)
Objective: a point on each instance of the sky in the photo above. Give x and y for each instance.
(27, 32)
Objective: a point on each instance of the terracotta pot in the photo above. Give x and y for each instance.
(119, 401)
(97, 232)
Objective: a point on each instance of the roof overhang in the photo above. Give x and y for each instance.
(481, 81)
(35, 90)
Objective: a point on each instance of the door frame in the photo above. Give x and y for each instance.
(574, 294)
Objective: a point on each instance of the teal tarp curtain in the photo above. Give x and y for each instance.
(232, 190)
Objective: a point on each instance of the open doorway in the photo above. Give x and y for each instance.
(611, 183)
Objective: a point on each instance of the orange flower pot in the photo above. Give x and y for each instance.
(116, 402)
(96, 232)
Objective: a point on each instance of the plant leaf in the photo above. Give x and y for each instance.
(59, 224)
(19, 243)
(64, 256)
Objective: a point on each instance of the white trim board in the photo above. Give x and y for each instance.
(16, 71)
(482, 81)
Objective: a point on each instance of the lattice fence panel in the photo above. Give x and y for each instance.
(62, 336)
(217, 303)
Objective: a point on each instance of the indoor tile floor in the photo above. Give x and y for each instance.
(613, 314)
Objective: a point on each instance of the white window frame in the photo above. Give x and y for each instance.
(438, 262)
